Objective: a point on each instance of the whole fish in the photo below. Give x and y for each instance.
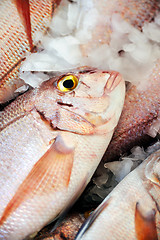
(52, 139)
(132, 210)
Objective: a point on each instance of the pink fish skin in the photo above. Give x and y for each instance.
(52, 139)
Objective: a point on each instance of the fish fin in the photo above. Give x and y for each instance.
(92, 218)
(24, 12)
(145, 227)
(52, 172)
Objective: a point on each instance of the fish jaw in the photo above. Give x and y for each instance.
(131, 210)
(57, 163)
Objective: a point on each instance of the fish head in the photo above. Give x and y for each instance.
(84, 101)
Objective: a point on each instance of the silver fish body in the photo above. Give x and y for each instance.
(51, 142)
(131, 210)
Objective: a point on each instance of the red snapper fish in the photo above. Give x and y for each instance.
(52, 139)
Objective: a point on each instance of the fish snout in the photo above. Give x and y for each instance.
(113, 80)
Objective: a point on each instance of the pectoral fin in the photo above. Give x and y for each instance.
(145, 226)
(51, 173)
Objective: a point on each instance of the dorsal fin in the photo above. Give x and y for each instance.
(24, 12)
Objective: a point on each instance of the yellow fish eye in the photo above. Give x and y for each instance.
(67, 83)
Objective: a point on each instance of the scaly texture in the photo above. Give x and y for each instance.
(134, 12)
(51, 143)
(14, 41)
(131, 210)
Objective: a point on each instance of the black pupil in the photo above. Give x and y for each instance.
(68, 83)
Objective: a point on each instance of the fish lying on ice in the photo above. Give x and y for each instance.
(135, 55)
(52, 139)
(130, 18)
(22, 23)
(132, 210)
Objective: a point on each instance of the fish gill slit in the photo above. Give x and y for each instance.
(44, 119)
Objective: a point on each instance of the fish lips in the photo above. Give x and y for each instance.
(114, 78)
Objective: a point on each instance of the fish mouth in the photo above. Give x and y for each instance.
(113, 80)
